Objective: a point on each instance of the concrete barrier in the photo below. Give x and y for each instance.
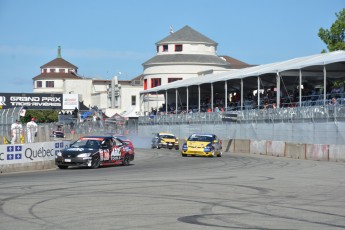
(228, 145)
(276, 148)
(337, 152)
(258, 147)
(30, 156)
(317, 152)
(242, 146)
(295, 150)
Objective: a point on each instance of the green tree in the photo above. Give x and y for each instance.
(41, 116)
(334, 38)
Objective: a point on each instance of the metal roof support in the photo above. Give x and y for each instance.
(278, 90)
(226, 95)
(300, 88)
(241, 94)
(166, 102)
(258, 93)
(199, 98)
(187, 92)
(212, 97)
(176, 101)
(324, 84)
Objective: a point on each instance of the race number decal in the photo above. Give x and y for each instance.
(104, 155)
(115, 154)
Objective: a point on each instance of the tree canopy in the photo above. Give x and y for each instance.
(334, 38)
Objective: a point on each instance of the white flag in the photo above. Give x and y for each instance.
(22, 112)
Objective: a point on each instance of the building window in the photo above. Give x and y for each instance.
(155, 82)
(134, 100)
(145, 84)
(45, 70)
(165, 48)
(49, 84)
(39, 84)
(157, 48)
(61, 70)
(174, 79)
(178, 48)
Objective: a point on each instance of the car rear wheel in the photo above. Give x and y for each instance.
(126, 160)
(62, 166)
(95, 162)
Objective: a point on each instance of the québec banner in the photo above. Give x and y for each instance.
(39, 101)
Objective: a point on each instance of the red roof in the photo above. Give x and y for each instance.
(59, 62)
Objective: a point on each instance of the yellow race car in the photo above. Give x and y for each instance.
(207, 145)
(165, 140)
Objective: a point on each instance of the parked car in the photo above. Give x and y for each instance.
(95, 151)
(202, 145)
(165, 140)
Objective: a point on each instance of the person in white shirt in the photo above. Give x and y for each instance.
(16, 132)
(32, 129)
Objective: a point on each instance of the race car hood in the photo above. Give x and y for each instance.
(197, 144)
(73, 152)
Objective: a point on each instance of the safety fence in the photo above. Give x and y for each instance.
(292, 114)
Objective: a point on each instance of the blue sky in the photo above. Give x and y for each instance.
(105, 37)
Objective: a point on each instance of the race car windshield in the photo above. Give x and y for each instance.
(94, 144)
(167, 136)
(200, 138)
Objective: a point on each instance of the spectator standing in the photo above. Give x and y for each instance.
(32, 129)
(334, 101)
(16, 132)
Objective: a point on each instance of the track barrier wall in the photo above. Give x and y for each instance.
(258, 147)
(295, 150)
(30, 156)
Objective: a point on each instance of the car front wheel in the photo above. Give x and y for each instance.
(62, 166)
(126, 160)
(95, 162)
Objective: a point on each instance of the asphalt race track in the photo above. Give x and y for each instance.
(162, 190)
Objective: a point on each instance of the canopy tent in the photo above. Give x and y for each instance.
(117, 119)
(130, 112)
(309, 63)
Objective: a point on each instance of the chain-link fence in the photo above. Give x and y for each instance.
(69, 130)
(293, 114)
(311, 125)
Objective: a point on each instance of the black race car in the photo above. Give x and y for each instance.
(95, 151)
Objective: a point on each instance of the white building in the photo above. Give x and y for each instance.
(182, 55)
(60, 76)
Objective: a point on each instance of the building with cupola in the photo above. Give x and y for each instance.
(111, 96)
(183, 54)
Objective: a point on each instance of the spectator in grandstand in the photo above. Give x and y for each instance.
(334, 101)
(16, 132)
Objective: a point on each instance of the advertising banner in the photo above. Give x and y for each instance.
(32, 152)
(39, 101)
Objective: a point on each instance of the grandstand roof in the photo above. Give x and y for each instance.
(272, 68)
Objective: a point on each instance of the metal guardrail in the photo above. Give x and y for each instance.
(293, 114)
